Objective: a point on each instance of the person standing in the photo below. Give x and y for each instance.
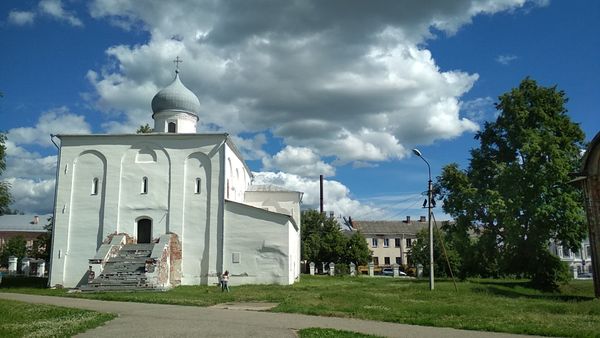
(225, 281)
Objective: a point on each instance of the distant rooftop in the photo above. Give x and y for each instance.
(24, 223)
(391, 227)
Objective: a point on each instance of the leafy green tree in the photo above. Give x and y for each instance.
(15, 246)
(357, 250)
(144, 129)
(514, 196)
(5, 198)
(41, 245)
(323, 241)
(419, 254)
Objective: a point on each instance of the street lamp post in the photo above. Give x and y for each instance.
(418, 153)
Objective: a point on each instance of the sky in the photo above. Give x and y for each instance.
(343, 88)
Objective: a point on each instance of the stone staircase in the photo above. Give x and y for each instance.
(126, 271)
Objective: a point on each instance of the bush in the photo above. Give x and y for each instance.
(23, 282)
(549, 272)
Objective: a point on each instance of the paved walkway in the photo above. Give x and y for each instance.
(157, 320)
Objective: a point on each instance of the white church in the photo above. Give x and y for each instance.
(171, 207)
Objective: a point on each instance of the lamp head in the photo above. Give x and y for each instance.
(417, 152)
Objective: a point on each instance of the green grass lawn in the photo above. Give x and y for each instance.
(490, 305)
(19, 319)
(315, 332)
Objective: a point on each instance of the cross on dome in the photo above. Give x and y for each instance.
(177, 61)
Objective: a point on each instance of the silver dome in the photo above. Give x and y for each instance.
(176, 97)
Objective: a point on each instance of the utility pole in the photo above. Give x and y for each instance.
(429, 206)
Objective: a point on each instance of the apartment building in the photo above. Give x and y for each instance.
(391, 241)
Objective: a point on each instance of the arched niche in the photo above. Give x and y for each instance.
(145, 155)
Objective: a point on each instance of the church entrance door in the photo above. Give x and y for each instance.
(144, 230)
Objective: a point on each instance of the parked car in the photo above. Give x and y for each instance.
(586, 275)
(390, 272)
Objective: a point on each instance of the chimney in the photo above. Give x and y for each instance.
(36, 219)
(422, 219)
(321, 195)
(407, 219)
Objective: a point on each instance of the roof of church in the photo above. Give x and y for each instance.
(391, 227)
(24, 223)
(176, 97)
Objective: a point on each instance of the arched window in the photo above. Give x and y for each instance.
(95, 186)
(172, 127)
(144, 185)
(197, 186)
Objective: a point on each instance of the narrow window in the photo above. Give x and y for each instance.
(386, 243)
(397, 242)
(197, 186)
(172, 127)
(376, 261)
(386, 260)
(95, 186)
(374, 242)
(398, 260)
(227, 189)
(408, 242)
(145, 185)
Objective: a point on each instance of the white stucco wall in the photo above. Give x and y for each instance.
(284, 202)
(184, 122)
(261, 240)
(186, 192)
(237, 176)
(171, 162)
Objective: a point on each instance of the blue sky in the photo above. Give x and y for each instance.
(340, 88)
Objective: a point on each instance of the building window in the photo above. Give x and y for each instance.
(376, 260)
(95, 186)
(197, 186)
(386, 243)
(588, 251)
(374, 242)
(409, 242)
(399, 260)
(397, 242)
(386, 260)
(172, 127)
(144, 185)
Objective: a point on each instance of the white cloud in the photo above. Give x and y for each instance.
(30, 174)
(506, 59)
(479, 109)
(300, 161)
(55, 121)
(358, 87)
(336, 195)
(54, 8)
(32, 196)
(21, 18)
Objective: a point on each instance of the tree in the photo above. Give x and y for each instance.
(144, 129)
(42, 244)
(357, 250)
(419, 254)
(15, 246)
(515, 196)
(5, 197)
(323, 241)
